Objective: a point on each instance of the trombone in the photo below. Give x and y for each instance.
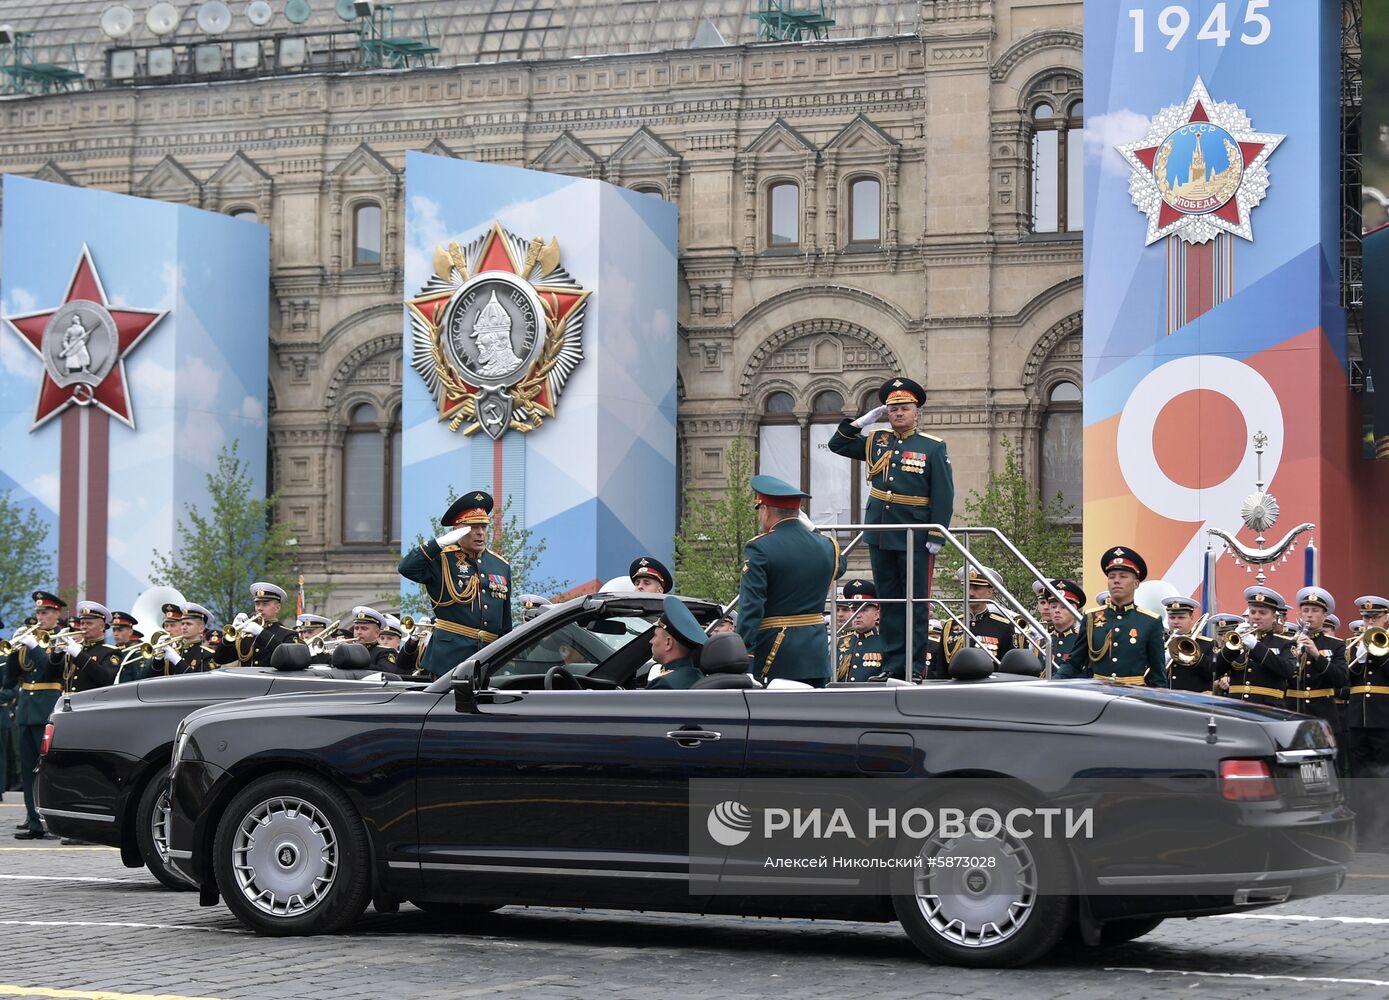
(1185, 649)
(321, 643)
(1375, 642)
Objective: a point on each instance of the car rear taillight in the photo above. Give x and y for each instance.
(47, 739)
(1246, 781)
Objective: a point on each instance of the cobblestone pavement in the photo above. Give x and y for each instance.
(76, 924)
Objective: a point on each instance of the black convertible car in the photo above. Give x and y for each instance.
(103, 777)
(522, 779)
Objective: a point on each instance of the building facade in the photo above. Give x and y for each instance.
(902, 196)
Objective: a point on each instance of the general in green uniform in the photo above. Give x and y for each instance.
(1124, 641)
(30, 669)
(675, 641)
(468, 584)
(787, 571)
(859, 653)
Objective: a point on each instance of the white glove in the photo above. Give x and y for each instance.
(1361, 657)
(239, 620)
(171, 655)
(933, 547)
(72, 647)
(28, 641)
(1250, 640)
(250, 628)
(449, 537)
(871, 417)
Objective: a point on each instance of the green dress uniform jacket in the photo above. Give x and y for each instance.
(1125, 645)
(1260, 675)
(471, 599)
(781, 600)
(1069, 659)
(253, 651)
(910, 482)
(993, 631)
(1312, 689)
(860, 656)
(680, 674)
(40, 682)
(1198, 676)
(93, 666)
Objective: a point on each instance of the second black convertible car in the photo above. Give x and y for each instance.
(534, 775)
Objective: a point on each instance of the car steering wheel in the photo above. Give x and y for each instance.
(571, 683)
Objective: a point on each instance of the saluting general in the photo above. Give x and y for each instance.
(787, 571)
(468, 584)
(910, 483)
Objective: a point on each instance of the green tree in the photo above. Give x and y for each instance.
(28, 559)
(716, 526)
(228, 544)
(1015, 507)
(518, 545)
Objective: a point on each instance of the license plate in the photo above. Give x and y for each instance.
(1315, 773)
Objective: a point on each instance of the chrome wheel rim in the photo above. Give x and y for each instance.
(159, 827)
(974, 905)
(284, 856)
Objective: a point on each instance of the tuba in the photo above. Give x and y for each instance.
(149, 608)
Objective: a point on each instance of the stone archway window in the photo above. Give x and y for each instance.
(793, 444)
(366, 235)
(784, 214)
(1061, 470)
(244, 214)
(649, 189)
(370, 476)
(865, 211)
(1058, 136)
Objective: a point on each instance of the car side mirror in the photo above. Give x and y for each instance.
(465, 687)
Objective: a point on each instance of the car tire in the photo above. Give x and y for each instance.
(152, 831)
(456, 911)
(1000, 916)
(291, 857)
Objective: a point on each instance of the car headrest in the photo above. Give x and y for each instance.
(351, 656)
(726, 681)
(972, 664)
(1021, 661)
(290, 656)
(724, 654)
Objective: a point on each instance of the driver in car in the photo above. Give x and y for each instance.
(673, 641)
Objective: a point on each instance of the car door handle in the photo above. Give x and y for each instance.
(693, 737)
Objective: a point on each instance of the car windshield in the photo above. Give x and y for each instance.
(579, 646)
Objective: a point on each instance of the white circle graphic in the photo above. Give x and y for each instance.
(730, 823)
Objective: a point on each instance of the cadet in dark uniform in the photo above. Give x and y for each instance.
(1124, 641)
(911, 483)
(191, 654)
(787, 572)
(1368, 719)
(1260, 671)
(932, 663)
(1069, 661)
(30, 669)
(859, 654)
(89, 662)
(673, 641)
(650, 576)
(468, 584)
(173, 618)
(309, 627)
(254, 641)
(991, 631)
(367, 624)
(1321, 662)
(1187, 673)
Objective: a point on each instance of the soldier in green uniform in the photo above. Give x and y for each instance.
(1124, 641)
(367, 624)
(1184, 672)
(911, 482)
(1321, 662)
(1261, 666)
(650, 576)
(675, 640)
(468, 584)
(1368, 725)
(859, 654)
(191, 654)
(30, 669)
(787, 572)
(8, 696)
(255, 640)
(990, 630)
(1069, 661)
(89, 662)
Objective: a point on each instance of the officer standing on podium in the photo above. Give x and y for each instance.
(468, 584)
(911, 483)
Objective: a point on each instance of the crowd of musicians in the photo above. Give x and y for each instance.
(1271, 653)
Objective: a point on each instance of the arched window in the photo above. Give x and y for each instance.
(1058, 201)
(370, 477)
(796, 450)
(865, 211)
(366, 235)
(649, 189)
(245, 214)
(1061, 447)
(783, 215)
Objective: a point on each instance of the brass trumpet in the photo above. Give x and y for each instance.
(1184, 650)
(233, 634)
(158, 641)
(416, 630)
(1234, 644)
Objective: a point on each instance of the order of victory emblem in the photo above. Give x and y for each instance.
(498, 329)
(1200, 170)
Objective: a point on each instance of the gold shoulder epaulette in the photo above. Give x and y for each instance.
(500, 556)
(1150, 614)
(1000, 618)
(931, 436)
